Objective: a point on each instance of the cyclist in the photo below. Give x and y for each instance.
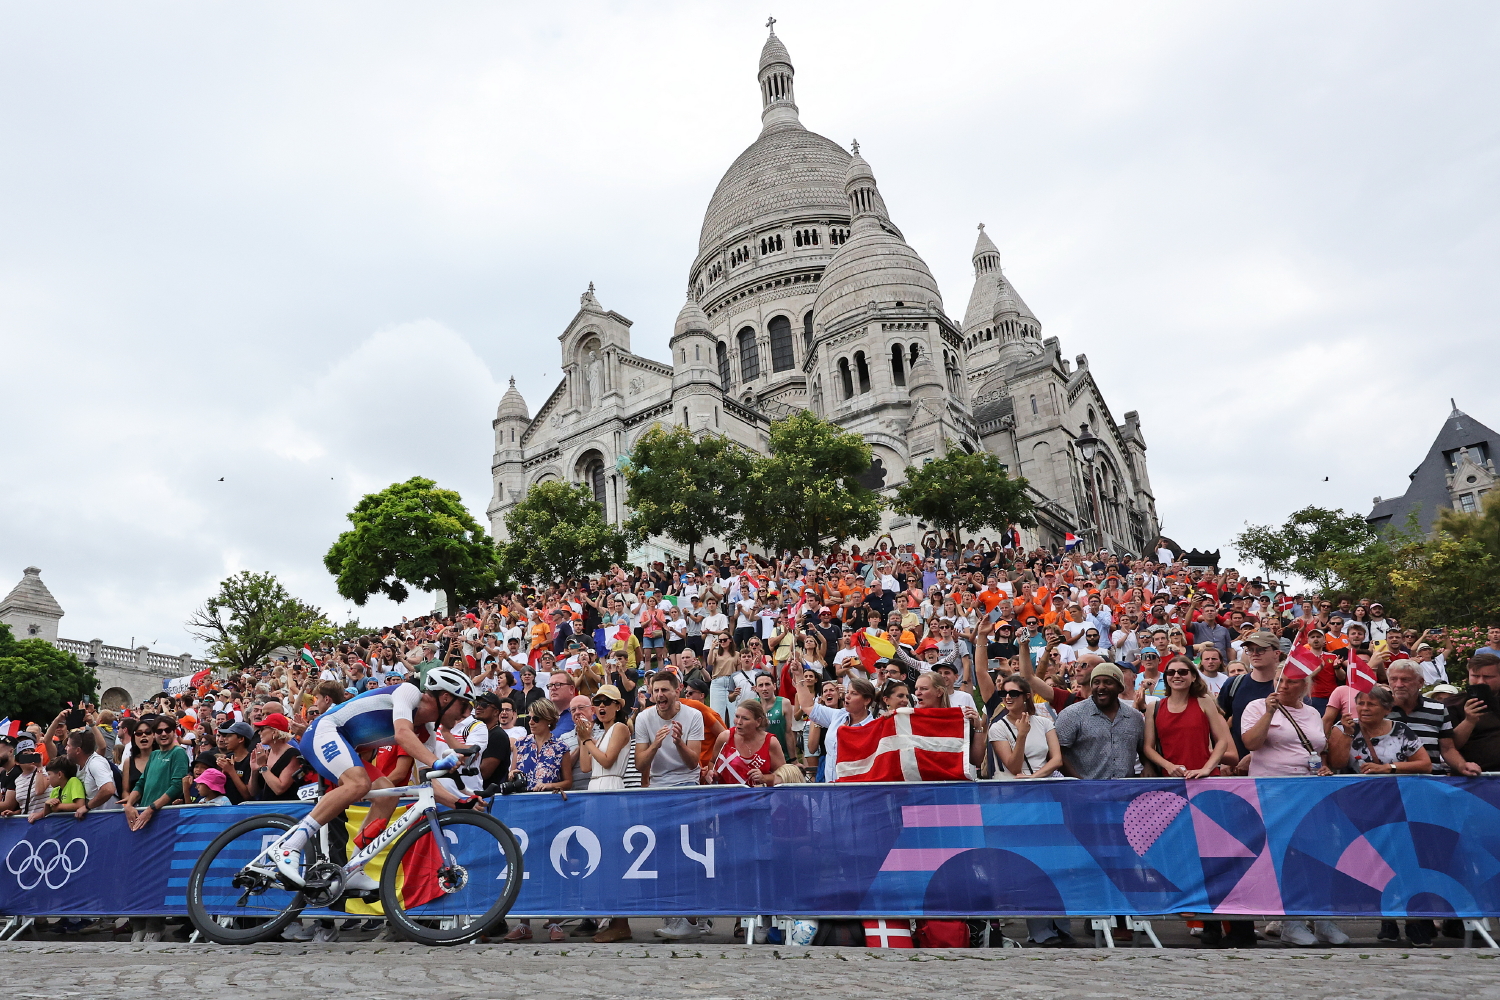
(401, 714)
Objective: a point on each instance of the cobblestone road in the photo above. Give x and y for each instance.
(378, 971)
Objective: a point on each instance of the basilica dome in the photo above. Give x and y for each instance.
(787, 173)
(876, 265)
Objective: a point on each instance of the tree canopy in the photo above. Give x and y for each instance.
(684, 487)
(253, 614)
(414, 534)
(1308, 544)
(806, 493)
(964, 492)
(557, 532)
(37, 680)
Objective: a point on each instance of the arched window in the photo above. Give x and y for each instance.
(591, 471)
(912, 361)
(749, 357)
(846, 381)
(807, 331)
(898, 365)
(780, 329)
(863, 370)
(726, 376)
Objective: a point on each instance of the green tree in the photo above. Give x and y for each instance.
(1317, 536)
(253, 614)
(558, 532)
(1265, 545)
(37, 680)
(414, 534)
(806, 493)
(963, 492)
(685, 487)
(1452, 578)
(1311, 542)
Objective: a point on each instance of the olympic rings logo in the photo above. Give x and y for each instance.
(39, 864)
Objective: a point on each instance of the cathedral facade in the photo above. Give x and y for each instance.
(805, 295)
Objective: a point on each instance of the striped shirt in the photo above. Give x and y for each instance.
(1429, 723)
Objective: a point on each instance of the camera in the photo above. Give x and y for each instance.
(512, 786)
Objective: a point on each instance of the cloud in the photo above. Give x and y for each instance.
(304, 248)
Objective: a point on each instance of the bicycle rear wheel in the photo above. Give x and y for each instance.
(430, 904)
(227, 913)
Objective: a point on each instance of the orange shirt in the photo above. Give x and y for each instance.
(713, 725)
(991, 598)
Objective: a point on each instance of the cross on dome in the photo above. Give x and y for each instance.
(771, 23)
(854, 148)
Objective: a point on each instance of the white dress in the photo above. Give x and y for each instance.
(612, 778)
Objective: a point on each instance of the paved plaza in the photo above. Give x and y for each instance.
(379, 970)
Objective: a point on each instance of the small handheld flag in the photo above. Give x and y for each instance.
(1300, 662)
(307, 655)
(1070, 541)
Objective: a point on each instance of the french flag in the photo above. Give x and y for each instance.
(10, 728)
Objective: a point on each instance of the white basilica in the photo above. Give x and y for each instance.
(804, 294)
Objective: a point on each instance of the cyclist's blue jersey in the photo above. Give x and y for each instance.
(332, 743)
(369, 719)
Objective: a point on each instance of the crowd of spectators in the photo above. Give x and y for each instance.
(743, 669)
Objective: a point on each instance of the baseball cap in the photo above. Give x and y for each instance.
(276, 721)
(488, 698)
(1265, 640)
(1444, 689)
(1150, 653)
(241, 729)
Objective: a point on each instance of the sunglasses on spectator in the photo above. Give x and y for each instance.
(1179, 672)
(1013, 694)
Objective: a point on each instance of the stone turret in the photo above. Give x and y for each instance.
(30, 609)
(695, 369)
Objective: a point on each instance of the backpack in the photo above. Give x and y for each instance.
(942, 934)
(840, 934)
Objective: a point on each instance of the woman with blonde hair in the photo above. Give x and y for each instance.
(747, 754)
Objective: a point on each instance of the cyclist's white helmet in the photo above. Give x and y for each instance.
(447, 679)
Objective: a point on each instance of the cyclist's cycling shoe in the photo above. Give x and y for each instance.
(288, 863)
(359, 882)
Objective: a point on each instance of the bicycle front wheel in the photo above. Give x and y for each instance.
(432, 903)
(224, 905)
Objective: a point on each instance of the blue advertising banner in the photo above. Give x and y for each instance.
(1341, 846)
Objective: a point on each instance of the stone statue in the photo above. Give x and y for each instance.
(593, 374)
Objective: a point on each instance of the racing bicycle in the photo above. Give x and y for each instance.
(445, 890)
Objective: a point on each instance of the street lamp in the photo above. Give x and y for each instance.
(1088, 447)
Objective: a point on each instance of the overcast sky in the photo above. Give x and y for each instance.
(303, 246)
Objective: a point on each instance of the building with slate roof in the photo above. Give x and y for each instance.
(804, 294)
(1457, 472)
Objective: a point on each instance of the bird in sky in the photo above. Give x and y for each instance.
(221, 479)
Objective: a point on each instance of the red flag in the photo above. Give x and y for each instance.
(1361, 677)
(419, 867)
(1300, 662)
(923, 744)
(200, 676)
(622, 634)
(888, 934)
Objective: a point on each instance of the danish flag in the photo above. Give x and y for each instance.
(922, 744)
(1361, 677)
(888, 934)
(1300, 662)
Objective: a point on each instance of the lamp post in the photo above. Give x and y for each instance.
(1088, 447)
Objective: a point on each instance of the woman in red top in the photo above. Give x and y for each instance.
(1186, 735)
(747, 754)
